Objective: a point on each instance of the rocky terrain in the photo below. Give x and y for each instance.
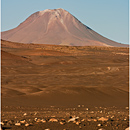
(72, 118)
(83, 84)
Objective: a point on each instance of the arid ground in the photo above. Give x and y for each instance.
(39, 77)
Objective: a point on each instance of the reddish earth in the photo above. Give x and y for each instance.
(40, 82)
(44, 75)
(90, 118)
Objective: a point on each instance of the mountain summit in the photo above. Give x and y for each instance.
(57, 27)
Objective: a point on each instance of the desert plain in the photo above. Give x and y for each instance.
(78, 83)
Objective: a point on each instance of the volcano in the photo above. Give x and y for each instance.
(57, 27)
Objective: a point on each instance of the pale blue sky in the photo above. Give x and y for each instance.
(107, 17)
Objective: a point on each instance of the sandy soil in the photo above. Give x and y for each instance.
(40, 76)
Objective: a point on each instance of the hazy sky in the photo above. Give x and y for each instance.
(107, 17)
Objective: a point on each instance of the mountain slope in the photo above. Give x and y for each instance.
(57, 27)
